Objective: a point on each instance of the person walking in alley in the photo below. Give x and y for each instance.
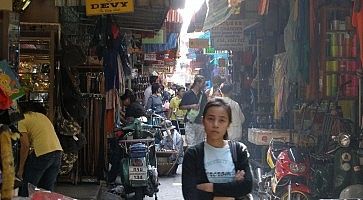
(215, 91)
(235, 129)
(217, 168)
(147, 93)
(176, 114)
(194, 101)
(40, 151)
(155, 102)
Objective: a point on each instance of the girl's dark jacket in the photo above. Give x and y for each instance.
(194, 173)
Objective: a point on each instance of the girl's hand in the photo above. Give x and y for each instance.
(207, 187)
(240, 175)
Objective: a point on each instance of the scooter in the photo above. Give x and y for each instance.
(138, 164)
(289, 173)
(342, 167)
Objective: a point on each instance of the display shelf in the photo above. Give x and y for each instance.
(36, 67)
(338, 53)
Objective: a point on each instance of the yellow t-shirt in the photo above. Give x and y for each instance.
(41, 133)
(174, 107)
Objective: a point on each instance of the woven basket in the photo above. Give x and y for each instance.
(164, 167)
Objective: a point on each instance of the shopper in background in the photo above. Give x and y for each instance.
(155, 102)
(147, 93)
(209, 170)
(165, 95)
(134, 109)
(125, 102)
(194, 101)
(40, 151)
(238, 118)
(175, 114)
(215, 91)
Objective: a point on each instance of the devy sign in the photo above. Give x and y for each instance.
(101, 7)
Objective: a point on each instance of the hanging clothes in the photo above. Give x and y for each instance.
(93, 155)
(296, 41)
(357, 22)
(280, 90)
(263, 7)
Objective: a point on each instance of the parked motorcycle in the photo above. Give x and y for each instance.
(289, 173)
(138, 164)
(338, 173)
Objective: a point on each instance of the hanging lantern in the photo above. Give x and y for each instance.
(20, 5)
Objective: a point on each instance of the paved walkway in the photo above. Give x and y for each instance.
(170, 187)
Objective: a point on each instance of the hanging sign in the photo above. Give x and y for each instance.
(158, 38)
(198, 43)
(150, 56)
(229, 35)
(6, 5)
(102, 7)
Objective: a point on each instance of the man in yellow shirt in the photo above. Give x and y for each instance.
(40, 152)
(176, 115)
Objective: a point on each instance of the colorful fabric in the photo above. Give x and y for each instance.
(357, 22)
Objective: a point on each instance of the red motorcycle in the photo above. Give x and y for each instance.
(289, 173)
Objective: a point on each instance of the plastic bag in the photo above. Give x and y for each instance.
(40, 194)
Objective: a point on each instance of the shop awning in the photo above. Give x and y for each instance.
(148, 15)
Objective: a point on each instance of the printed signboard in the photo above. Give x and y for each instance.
(229, 35)
(102, 7)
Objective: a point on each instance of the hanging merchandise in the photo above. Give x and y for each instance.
(280, 85)
(112, 48)
(263, 7)
(357, 21)
(296, 41)
(94, 154)
(9, 83)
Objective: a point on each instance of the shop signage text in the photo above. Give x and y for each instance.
(198, 43)
(229, 35)
(150, 56)
(101, 7)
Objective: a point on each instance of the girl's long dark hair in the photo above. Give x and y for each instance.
(218, 102)
(26, 107)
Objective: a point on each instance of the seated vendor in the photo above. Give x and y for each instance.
(172, 140)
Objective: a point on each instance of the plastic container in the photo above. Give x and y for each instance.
(138, 150)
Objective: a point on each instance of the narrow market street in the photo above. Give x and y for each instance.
(170, 187)
(105, 100)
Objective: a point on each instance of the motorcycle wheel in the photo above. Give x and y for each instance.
(139, 194)
(295, 195)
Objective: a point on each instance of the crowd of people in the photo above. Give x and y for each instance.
(210, 120)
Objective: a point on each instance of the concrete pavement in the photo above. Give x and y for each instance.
(170, 187)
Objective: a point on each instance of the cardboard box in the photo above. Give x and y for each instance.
(263, 136)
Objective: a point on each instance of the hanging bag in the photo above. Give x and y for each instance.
(65, 125)
(192, 114)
